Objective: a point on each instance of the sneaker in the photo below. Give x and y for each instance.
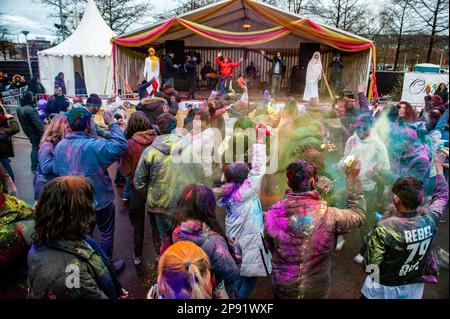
(137, 260)
(118, 265)
(358, 259)
(340, 242)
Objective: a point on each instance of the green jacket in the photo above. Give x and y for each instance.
(53, 269)
(165, 169)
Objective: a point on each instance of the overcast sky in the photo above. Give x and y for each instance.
(26, 15)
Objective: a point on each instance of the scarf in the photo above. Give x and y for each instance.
(154, 58)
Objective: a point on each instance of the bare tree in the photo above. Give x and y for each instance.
(347, 15)
(118, 14)
(5, 41)
(400, 20)
(434, 13)
(183, 7)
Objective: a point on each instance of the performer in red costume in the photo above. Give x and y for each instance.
(226, 73)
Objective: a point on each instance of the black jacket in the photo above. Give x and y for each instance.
(6, 132)
(400, 246)
(167, 69)
(30, 122)
(274, 62)
(57, 104)
(142, 89)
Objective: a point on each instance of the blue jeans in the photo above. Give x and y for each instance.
(127, 188)
(6, 162)
(105, 220)
(247, 286)
(162, 223)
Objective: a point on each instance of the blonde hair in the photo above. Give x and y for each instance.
(184, 272)
(56, 130)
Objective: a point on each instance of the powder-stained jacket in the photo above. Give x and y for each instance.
(165, 172)
(81, 154)
(44, 171)
(16, 229)
(401, 246)
(47, 272)
(136, 145)
(301, 231)
(244, 220)
(214, 245)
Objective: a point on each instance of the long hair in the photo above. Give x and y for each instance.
(410, 112)
(138, 122)
(184, 272)
(56, 130)
(198, 202)
(64, 210)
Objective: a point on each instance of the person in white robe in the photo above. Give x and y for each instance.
(152, 68)
(313, 76)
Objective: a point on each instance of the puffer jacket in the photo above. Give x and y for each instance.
(214, 245)
(47, 272)
(136, 145)
(244, 220)
(82, 154)
(164, 171)
(301, 231)
(401, 246)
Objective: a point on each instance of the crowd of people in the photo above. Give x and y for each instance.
(353, 166)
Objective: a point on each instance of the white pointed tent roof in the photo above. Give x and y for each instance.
(91, 37)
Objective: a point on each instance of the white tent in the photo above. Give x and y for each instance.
(89, 46)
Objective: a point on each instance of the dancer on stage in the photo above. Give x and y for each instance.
(225, 84)
(313, 76)
(151, 68)
(278, 68)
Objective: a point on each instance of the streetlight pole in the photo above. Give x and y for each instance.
(28, 54)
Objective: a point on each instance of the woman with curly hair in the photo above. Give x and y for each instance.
(406, 113)
(63, 262)
(53, 134)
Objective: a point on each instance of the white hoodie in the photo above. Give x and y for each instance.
(370, 152)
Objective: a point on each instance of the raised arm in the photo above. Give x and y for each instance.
(353, 216)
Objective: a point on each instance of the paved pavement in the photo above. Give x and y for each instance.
(347, 276)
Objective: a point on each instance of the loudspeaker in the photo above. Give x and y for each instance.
(306, 53)
(177, 47)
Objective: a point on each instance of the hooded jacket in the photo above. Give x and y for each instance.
(244, 220)
(401, 246)
(82, 154)
(136, 145)
(153, 107)
(214, 245)
(165, 172)
(227, 68)
(30, 122)
(301, 231)
(370, 152)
